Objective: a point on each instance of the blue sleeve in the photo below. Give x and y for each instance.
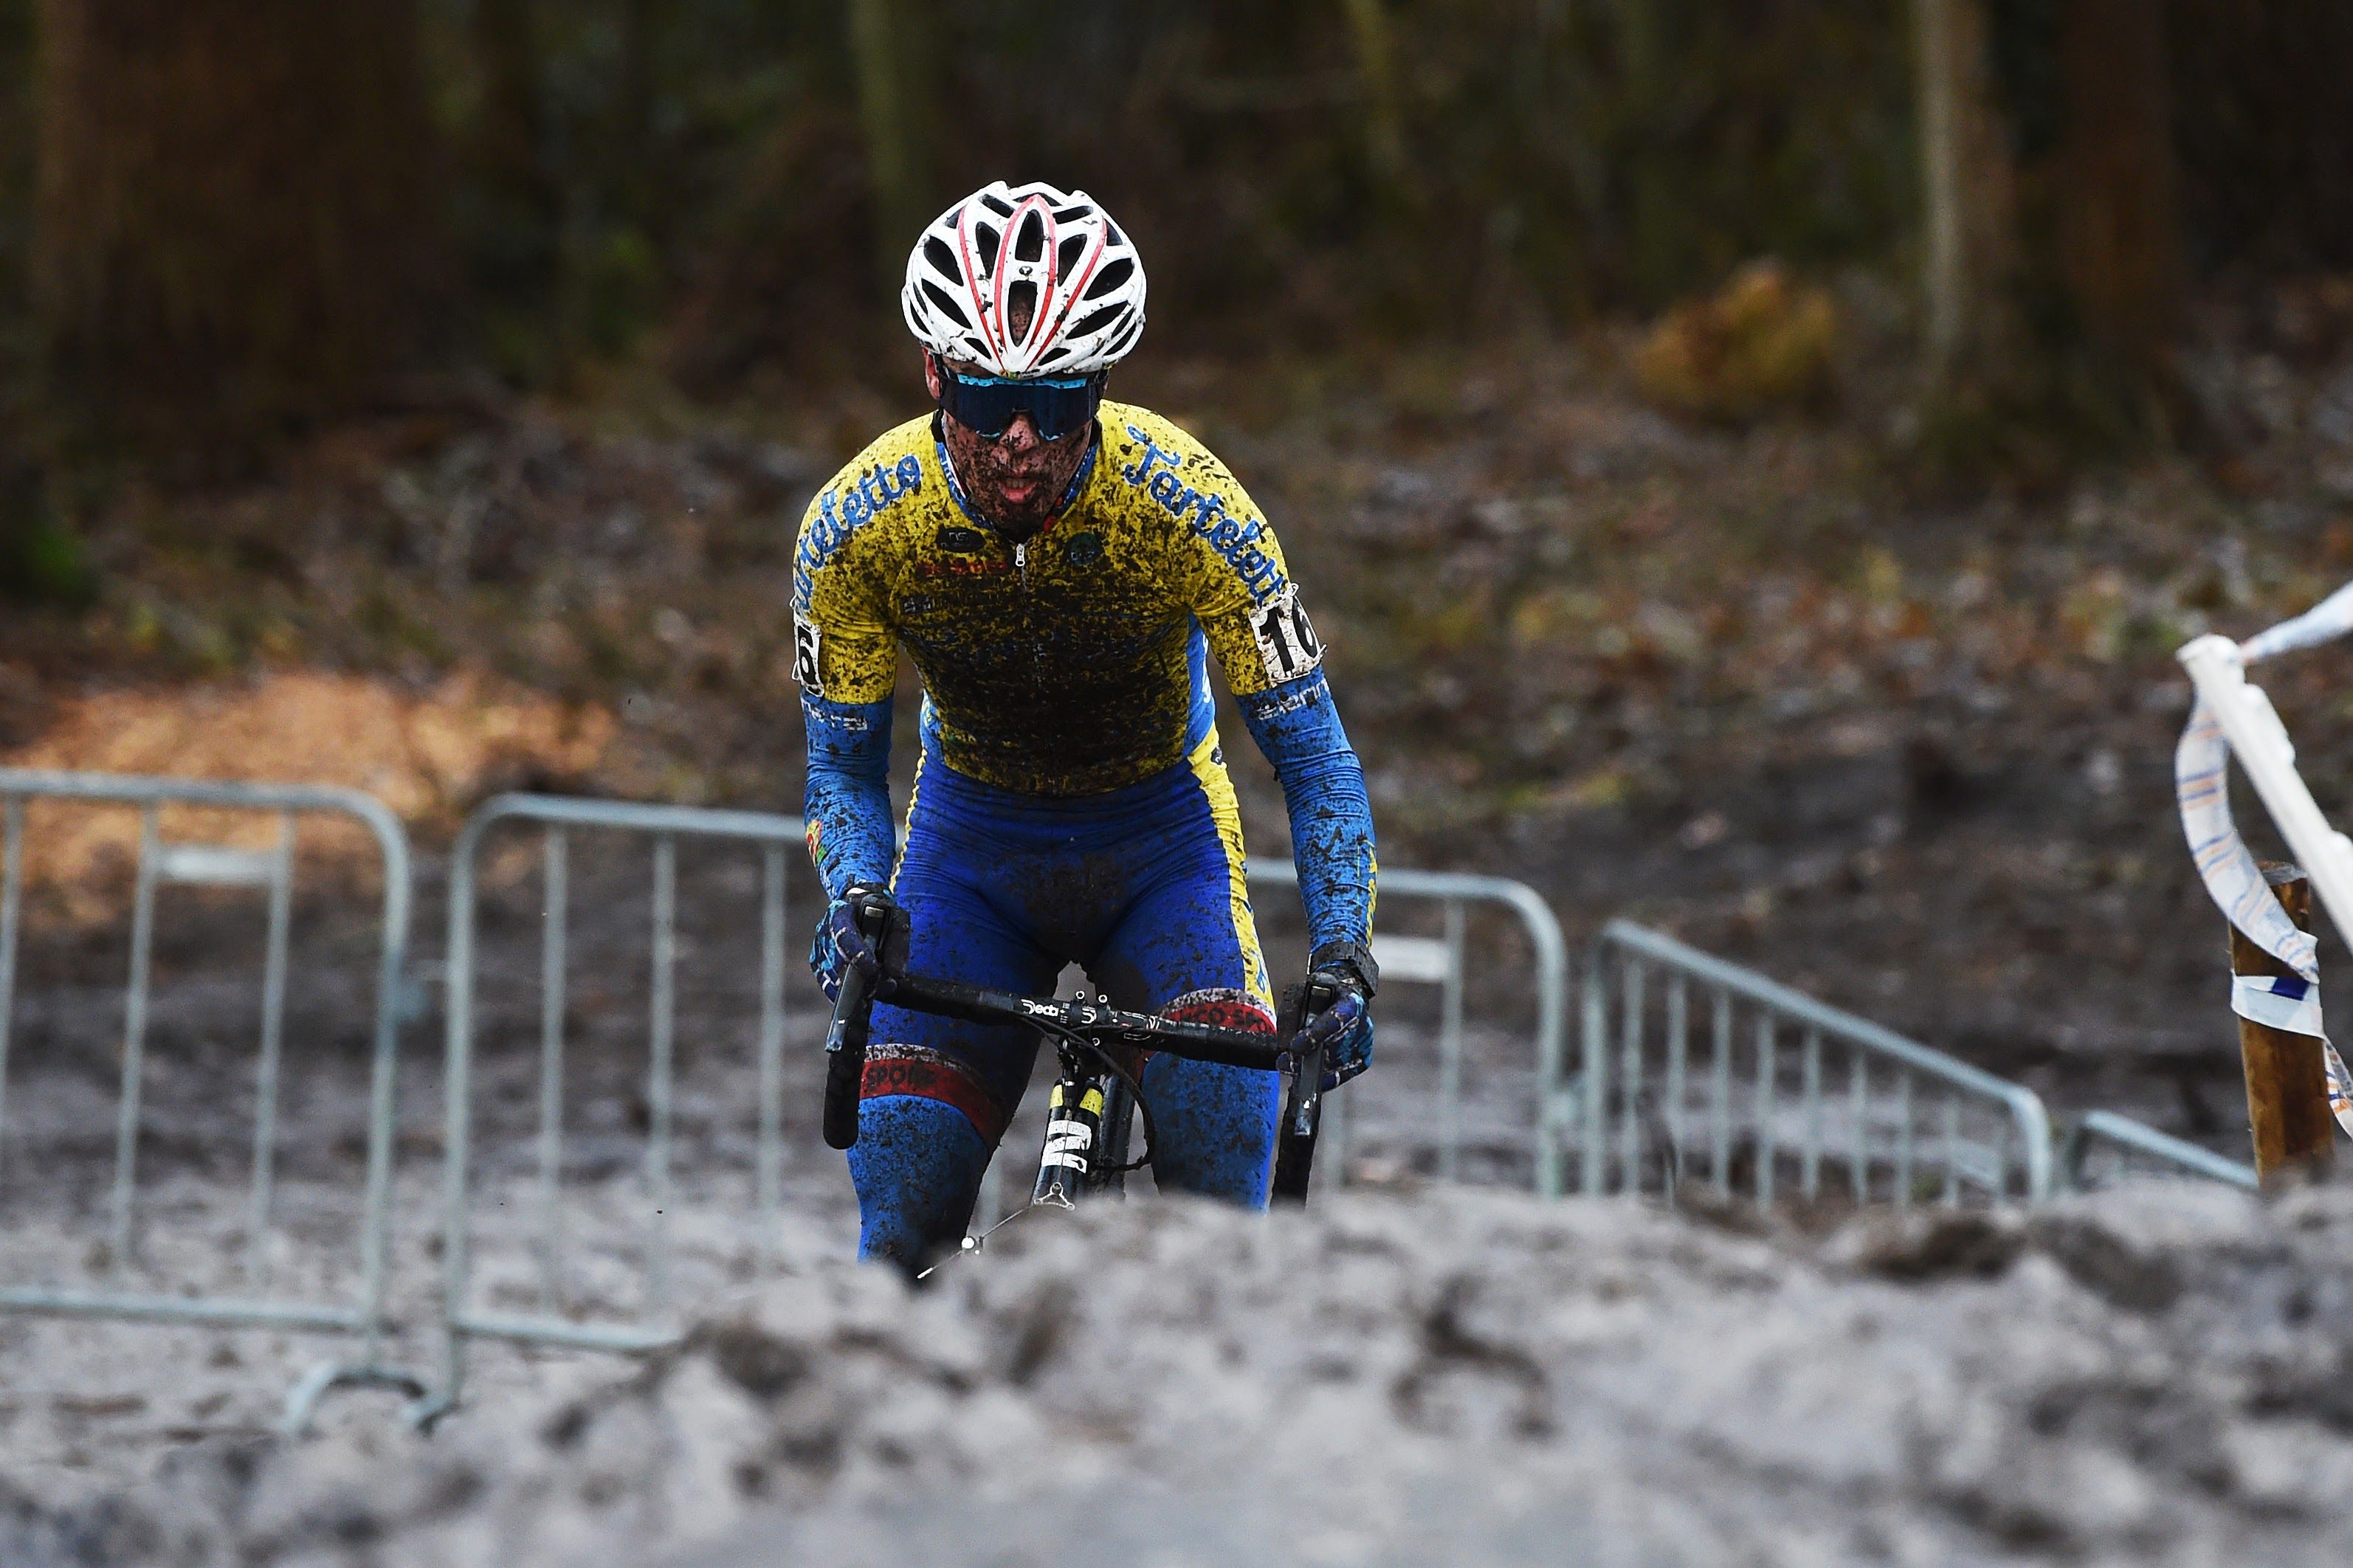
(847, 802)
(1298, 728)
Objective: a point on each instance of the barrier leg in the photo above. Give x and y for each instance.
(555, 870)
(769, 1178)
(11, 867)
(266, 1067)
(134, 1041)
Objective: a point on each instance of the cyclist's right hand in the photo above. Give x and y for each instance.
(864, 929)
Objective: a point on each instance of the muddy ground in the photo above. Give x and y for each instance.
(2152, 1377)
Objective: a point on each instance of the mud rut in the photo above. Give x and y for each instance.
(85, 1407)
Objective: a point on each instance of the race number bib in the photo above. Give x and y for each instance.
(1286, 642)
(804, 666)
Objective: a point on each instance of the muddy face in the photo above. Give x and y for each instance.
(1016, 480)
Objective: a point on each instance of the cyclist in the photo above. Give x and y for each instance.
(1059, 568)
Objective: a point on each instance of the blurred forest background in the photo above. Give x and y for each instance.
(223, 219)
(1759, 454)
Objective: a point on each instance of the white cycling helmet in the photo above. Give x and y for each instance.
(1052, 260)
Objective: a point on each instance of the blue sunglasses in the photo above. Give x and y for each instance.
(988, 405)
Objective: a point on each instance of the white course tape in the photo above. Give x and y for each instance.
(2232, 717)
(2324, 622)
(2201, 788)
(2292, 1002)
(2278, 1002)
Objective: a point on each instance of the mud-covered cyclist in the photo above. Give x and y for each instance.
(1059, 568)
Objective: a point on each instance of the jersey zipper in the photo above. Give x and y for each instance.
(1029, 624)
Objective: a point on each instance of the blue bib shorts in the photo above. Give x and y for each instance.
(1142, 887)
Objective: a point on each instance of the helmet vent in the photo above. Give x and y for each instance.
(1066, 253)
(1029, 240)
(946, 302)
(990, 235)
(1095, 321)
(997, 205)
(1021, 309)
(1110, 278)
(936, 252)
(1070, 215)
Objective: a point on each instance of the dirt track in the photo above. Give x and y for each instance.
(2154, 1377)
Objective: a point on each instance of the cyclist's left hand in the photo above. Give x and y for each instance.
(1340, 986)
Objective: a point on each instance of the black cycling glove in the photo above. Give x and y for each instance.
(863, 928)
(1341, 980)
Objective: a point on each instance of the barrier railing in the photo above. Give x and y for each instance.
(462, 1319)
(1910, 1123)
(1439, 961)
(270, 870)
(2133, 1149)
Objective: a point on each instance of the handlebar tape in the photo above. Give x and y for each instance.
(845, 1057)
(1303, 1109)
(979, 1004)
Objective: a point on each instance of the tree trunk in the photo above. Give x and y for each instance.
(1369, 29)
(2052, 181)
(2119, 239)
(235, 214)
(515, 247)
(887, 117)
(1970, 258)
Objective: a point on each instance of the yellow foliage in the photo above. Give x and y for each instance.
(1764, 339)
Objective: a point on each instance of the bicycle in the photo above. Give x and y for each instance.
(1096, 1094)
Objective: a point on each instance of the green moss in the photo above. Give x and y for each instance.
(41, 563)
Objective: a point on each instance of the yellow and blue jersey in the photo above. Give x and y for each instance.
(1070, 664)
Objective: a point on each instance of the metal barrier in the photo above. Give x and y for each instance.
(219, 866)
(461, 1320)
(1438, 962)
(1979, 1129)
(2137, 1148)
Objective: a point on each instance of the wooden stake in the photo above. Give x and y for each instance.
(2287, 1086)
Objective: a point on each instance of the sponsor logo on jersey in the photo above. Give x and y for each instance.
(1265, 706)
(842, 510)
(1235, 539)
(966, 567)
